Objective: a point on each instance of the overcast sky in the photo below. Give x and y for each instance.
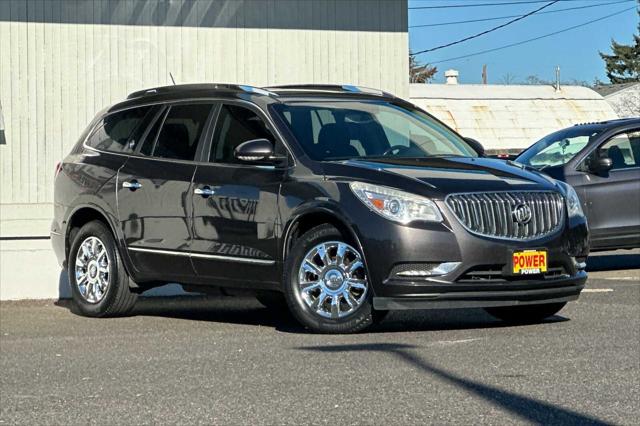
(575, 51)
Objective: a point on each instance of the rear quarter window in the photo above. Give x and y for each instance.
(115, 130)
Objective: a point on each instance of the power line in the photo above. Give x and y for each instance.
(497, 18)
(451, 6)
(532, 39)
(519, 18)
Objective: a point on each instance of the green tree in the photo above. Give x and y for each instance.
(623, 65)
(420, 73)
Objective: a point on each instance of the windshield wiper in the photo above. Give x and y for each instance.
(445, 155)
(392, 157)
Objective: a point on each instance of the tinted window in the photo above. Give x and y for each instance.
(115, 131)
(360, 129)
(181, 130)
(622, 149)
(236, 125)
(149, 142)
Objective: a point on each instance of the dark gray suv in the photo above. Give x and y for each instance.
(601, 161)
(338, 202)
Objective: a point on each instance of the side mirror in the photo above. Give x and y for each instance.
(254, 150)
(601, 165)
(477, 146)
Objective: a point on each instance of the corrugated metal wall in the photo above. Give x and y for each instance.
(63, 60)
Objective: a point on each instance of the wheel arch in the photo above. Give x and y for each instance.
(83, 214)
(314, 216)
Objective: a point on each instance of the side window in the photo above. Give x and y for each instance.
(150, 139)
(235, 125)
(623, 150)
(180, 132)
(116, 129)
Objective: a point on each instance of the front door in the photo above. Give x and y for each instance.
(613, 198)
(154, 188)
(235, 206)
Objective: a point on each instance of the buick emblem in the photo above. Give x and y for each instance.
(522, 214)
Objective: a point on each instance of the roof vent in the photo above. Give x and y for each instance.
(451, 76)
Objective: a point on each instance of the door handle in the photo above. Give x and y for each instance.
(132, 185)
(205, 191)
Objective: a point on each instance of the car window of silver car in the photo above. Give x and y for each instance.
(558, 152)
(558, 148)
(623, 150)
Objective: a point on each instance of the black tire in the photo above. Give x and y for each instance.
(356, 321)
(379, 316)
(525, 314)
(272, 300)
(118, 299)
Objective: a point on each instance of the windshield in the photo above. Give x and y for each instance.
(557, 148)
(337, 130)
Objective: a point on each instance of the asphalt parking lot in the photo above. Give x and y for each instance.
(230, 361)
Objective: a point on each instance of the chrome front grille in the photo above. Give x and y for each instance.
(496, 214)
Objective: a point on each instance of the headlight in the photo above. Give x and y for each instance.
(574, 207)
(396, 205)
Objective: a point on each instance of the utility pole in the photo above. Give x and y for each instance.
(557, 78)
(484, 74)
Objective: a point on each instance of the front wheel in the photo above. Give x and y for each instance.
(326, 283)
(525, 313)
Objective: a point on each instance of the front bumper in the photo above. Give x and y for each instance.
(483, 277)
(451, 296)
(57, 242)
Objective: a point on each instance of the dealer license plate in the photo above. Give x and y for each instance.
(529, 262)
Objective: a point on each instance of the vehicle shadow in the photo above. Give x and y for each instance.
(611, 261)
(248, 311)
(524, 407)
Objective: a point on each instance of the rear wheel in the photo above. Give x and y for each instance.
(98, 280)
(525, 313)
(326, 284)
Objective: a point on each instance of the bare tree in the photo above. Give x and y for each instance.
(420, 73)
(534, 80)
(508, 78)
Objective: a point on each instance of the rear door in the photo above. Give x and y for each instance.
(154, 188)
(235, 205)
(613, 198)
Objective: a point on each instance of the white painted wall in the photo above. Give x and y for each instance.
(61, 61)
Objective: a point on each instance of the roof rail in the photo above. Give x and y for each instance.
(201, 86)
(591, 123)
(331, 88)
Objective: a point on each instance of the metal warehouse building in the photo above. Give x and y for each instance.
(510, 117)
(61, 61)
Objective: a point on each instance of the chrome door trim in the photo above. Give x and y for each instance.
(233, 258)
(205, 256)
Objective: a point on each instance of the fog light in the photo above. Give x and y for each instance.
(437, 269)
(579, 265)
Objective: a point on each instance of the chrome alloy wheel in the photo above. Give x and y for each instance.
(92, 270)
(332, 280)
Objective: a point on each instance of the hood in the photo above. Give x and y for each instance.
(446, 175)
